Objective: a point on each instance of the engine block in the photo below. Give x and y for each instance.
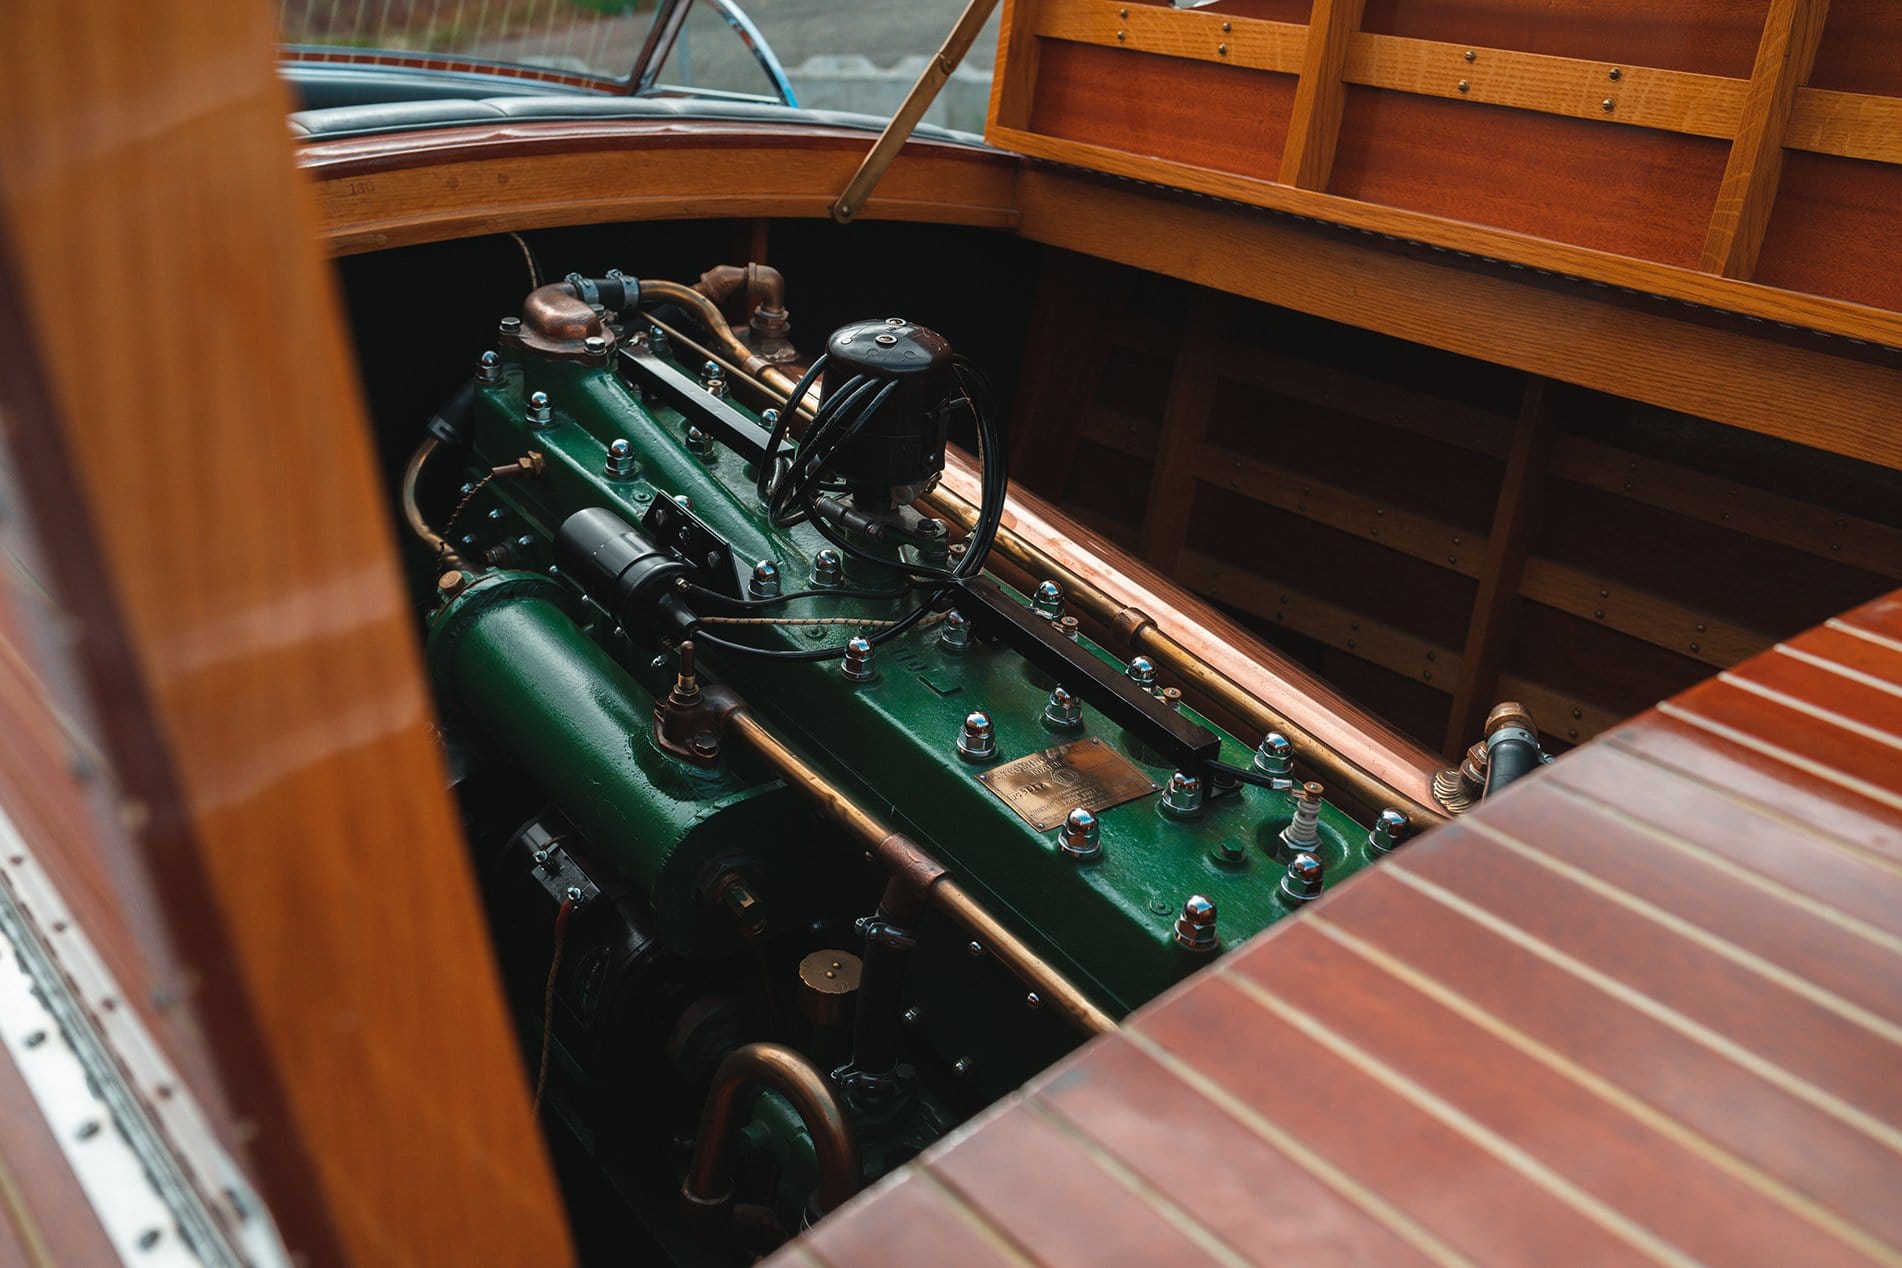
(609, 511)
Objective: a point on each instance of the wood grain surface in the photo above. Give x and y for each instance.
(1833, 403)
(394, 190)
(1645, 1006)
(206, 486)
(1475, 127)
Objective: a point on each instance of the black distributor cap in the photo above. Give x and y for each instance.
(888, 348)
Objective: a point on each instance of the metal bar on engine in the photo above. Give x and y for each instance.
(993, 611)
(668, 385)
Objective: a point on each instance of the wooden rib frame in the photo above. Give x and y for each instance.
(1852, 125)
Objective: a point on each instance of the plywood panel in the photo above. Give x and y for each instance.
(1712, 37)
(1835, 229)
(1227, 118)
(1624, 190)
(1861, 49)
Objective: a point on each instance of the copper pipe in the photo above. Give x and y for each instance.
(1349, 749)
(766, 318)
(412, 475)
(708, 1191)
(715, 322)
(908, 858)
(764, 284)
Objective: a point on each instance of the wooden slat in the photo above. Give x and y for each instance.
(263, 699)
(1319, 98)
(1640, 96)
(1499, 575)
(1170, 1134)
(1185, 421)
(1645, 1065)
(1851, 124)
(1646, 1007)
(1015, 74)
(1146, 28)
(1666, 1196)
(1791, 33)
(1633, 611)
(1014, 1174)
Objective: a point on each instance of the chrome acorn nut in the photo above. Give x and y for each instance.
(1195, 927)
(1080, 837)
(828, 570)
(1048, 601)
(956, 634)
(621, 464)
(1303, 882)
(1390, 829)
(1142, 672)
(1274, 757)
(1183, 797)
(977, 742)
(1063, 711)
(857, 665)
(764, 583)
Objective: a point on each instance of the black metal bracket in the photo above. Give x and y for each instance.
(667, 384)
(994, 613)
(686, 536)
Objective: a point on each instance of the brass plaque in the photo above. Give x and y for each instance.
(1046, 786)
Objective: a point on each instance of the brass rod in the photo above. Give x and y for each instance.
(936, 74)
(1054, 990)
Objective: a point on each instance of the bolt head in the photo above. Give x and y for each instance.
(595, 345)
(977, 741)
(1183, 796)
(1080, 837)
(1195, 927)
(1142, 672)
(857, 664)
(1274, 756)
(956, 634)
(1304, 880)
(1390, 829)
(1063, 711)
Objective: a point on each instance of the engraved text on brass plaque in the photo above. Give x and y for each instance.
(1046, 786)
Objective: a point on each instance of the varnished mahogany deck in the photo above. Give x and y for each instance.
(1647, 1006)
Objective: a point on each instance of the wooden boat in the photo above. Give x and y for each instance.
(388, 896)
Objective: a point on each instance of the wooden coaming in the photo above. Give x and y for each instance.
(1644, 1007)
(395, 190)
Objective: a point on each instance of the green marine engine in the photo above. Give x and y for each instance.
(803, 837)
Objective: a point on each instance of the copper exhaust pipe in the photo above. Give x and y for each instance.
(707, 1194)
